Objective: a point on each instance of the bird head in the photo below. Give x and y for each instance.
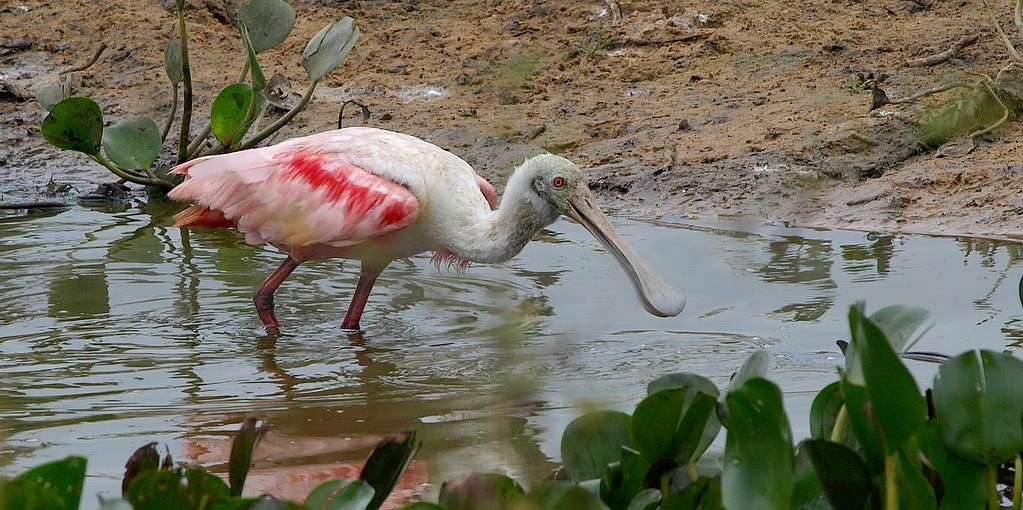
(563, 188)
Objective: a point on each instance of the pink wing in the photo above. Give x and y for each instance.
(292, 195)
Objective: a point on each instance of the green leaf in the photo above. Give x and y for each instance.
(258, 78)
(756, 365)
(175, 488)
(703, 494)
(172, 61)
(898, 405)
(964, 481)
(422, 505)
(109, 504)
(978, 401)
(648, 499)
(899, 322)
(623, 480)
(133, 143)
(861, 419)
(759, 462)
(145, 458)
(244, 444)
(693, 384)
(592, 441)
(480, 490)
(806, 488)
(842, 474)
(54, 92)
(261, 503)
(75, 123)
(329, 47)
(341, 494)
(385, 465)
(269, 22)
(824, 410)
(228, 115)
(914, 490)
(562, 495)
(55, 485)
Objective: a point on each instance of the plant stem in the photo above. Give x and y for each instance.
(131, 176)
(170, 118)
(841, 425)
(993, 498)
(186, 74)
(272, 128)
(891, 488)
(1017, 482)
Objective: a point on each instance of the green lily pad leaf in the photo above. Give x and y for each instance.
(229, 111)
(758, 466)
(329, 47)
(385, 465)
(172, 61)
(54, 92)
(75, 123)
(898, 405)
(978, 401)
(843, 475)
(340, 494)
(561, 495)
(133, 143)
(269, 22)
(592, 441)
(480, 490)
(244, 444)
(56, 485)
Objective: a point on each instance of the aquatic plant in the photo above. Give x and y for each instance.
(130, 147)
(876, 442)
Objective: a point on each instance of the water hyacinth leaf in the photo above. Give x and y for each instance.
(229, 111)
(842, 474)
(824, 410)
(480, 490)
(172, 61)
(109, 504)
(258, 78)
(329, 47)
(133, 143)
(340, 494)
(56, 485)
(260, 503)
(758, 465)
(895, 398)
(703, 494)
(964, 481)
(54, 92)
(978, 401)
(806, 488)
(242, 448)
(647, 499)
(694, 385)
(861, 419)
(899, 323)
(915, 491)
(143, 459)
(175, 488)
(76, 124)
(592, 441)
(561, 495)
(756, 365)
(422, 505)
(655, 424)
(624, 479)
(268, 21)
(385, 465)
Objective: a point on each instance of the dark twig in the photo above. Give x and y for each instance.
(939, 58)
(88, 63)
(341, 113)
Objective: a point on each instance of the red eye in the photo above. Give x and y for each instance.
(558, 182)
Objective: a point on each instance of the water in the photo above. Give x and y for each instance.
(117, 329)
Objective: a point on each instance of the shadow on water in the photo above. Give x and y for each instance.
(117, 329)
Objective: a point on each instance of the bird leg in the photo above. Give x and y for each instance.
(367, 277)
(264, 296)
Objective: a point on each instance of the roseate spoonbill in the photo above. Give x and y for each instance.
(376, 196)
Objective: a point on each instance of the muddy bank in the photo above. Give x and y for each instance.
(679, 109)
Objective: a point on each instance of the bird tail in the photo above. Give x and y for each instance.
(201, 216)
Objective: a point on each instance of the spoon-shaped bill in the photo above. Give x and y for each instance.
(657, 296)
